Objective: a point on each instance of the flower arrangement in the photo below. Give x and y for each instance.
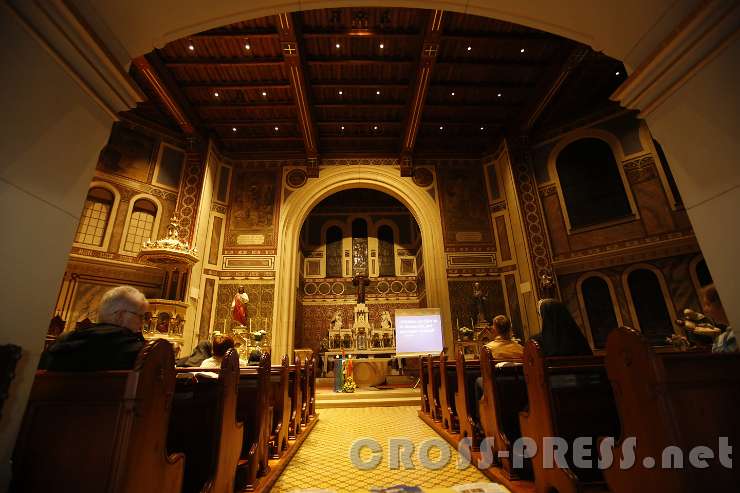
(465, 332)
(349, 384)
(257, 336)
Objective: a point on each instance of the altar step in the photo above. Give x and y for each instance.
(367, 397)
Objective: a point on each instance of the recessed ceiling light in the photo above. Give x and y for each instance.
(341, 92)
(521, 51)
(215, 94)
(498, 95)
(191, 47)
(247, 47)
(482, 128)
(452, 93)
(377, 92)
(277, 128)
(342, 128)
(470, 48)
(381, 46)
(375, 127)
(441, 127)
(337, 45)
(264, 93)
(233, 129)
(617, 73)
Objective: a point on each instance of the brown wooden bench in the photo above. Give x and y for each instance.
(296, 404)
(447, 388)
(312, 386)
(253, 410)
(682, 399)
(504, 397)
(203, 426)
(305, 390)
(435, 411)
(101, 431)
(424, 383)
(466, 372)
(280, 404)
(569, 397)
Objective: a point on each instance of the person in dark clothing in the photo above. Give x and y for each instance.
(201, 353)
(560, 334)
(111, 344)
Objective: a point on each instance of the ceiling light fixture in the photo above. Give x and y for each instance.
(617, 73)
(337, 45)
(264, 94)
(277, 128)
(452, 93)
(382, 46)
(498, 95)
(340, 92)
(215, 93)
(342, 128)
(247, 47)
(441, 127)
(377, 92)
(521, 51)
(482, 128)
(233, 129)
(470, 48)
(375, 127)
(191, 47)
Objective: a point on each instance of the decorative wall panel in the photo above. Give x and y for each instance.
(253, 212)
(464, 205)
(259, 309)
(204, 325)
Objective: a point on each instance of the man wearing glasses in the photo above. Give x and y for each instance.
(111, 344)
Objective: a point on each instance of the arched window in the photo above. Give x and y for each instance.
(591, 184)
(600, 312)
(386, 255)
(359, 247)
(653, 316)
(702, 273)
(141, 225)
(95, 216)
(334, 252)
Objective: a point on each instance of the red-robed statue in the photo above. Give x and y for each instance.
(239, 307)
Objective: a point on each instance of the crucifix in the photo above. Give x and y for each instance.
(360, 282)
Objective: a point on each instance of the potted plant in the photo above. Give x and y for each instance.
(466, 333)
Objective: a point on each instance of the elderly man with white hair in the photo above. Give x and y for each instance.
(111, 344)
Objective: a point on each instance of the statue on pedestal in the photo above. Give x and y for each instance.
(479, 299)
(239, 307)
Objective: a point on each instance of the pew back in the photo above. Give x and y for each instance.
(101, 431)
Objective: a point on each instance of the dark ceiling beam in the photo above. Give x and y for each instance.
(226, 62)
(472, 106)
(548, 86)
(359, 85)
(350, 104)
(263, 139)
(237, 34)
(358, 61)
(462, 84)
(293, 53)
(499, 64)
(427, 60)
(244, 106)
(500, 36)
(164, 86)
(243, 123)
(360, 34)
(241, 84)
(356, 123)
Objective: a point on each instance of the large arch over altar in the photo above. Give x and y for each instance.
(333, 179)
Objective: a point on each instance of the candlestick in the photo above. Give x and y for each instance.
(250, 325)
(457, 323)
(472, 324)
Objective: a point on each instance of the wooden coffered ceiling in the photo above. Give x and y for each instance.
(371, 81)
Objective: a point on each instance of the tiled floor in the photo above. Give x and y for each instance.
(323, 460)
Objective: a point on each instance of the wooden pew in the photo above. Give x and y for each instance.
(295, 400)
(280, 403)
(424, 383)
(447, 389)
(312, 387)
(504, 397)
(435, 410)
(466, 374)
(569, 397)
(305, 390)
(682, 399)
(101, 431)
(253, 410)
(203, 426)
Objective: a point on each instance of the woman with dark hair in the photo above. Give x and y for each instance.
(201, 353)
(560, 334)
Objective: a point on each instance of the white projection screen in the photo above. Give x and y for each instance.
(418, 332)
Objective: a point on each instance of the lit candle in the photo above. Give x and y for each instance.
(457, 323)
(250, 325)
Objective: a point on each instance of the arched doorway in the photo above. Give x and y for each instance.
(334, 179)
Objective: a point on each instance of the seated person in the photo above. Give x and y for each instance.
(111, 344)
(221, 344)
(201, 352)
(502, 346)
(718, 327)
(560, 334)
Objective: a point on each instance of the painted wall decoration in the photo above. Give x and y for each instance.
(464, 205)
(87, 298)
(463, 306)
(128, 153)
(170, 167)
(252, 215)
(203, 328)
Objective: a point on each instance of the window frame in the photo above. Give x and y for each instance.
(663, 288)
(582, 304)
(155, 228)
(619, 158)
(111, 217)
